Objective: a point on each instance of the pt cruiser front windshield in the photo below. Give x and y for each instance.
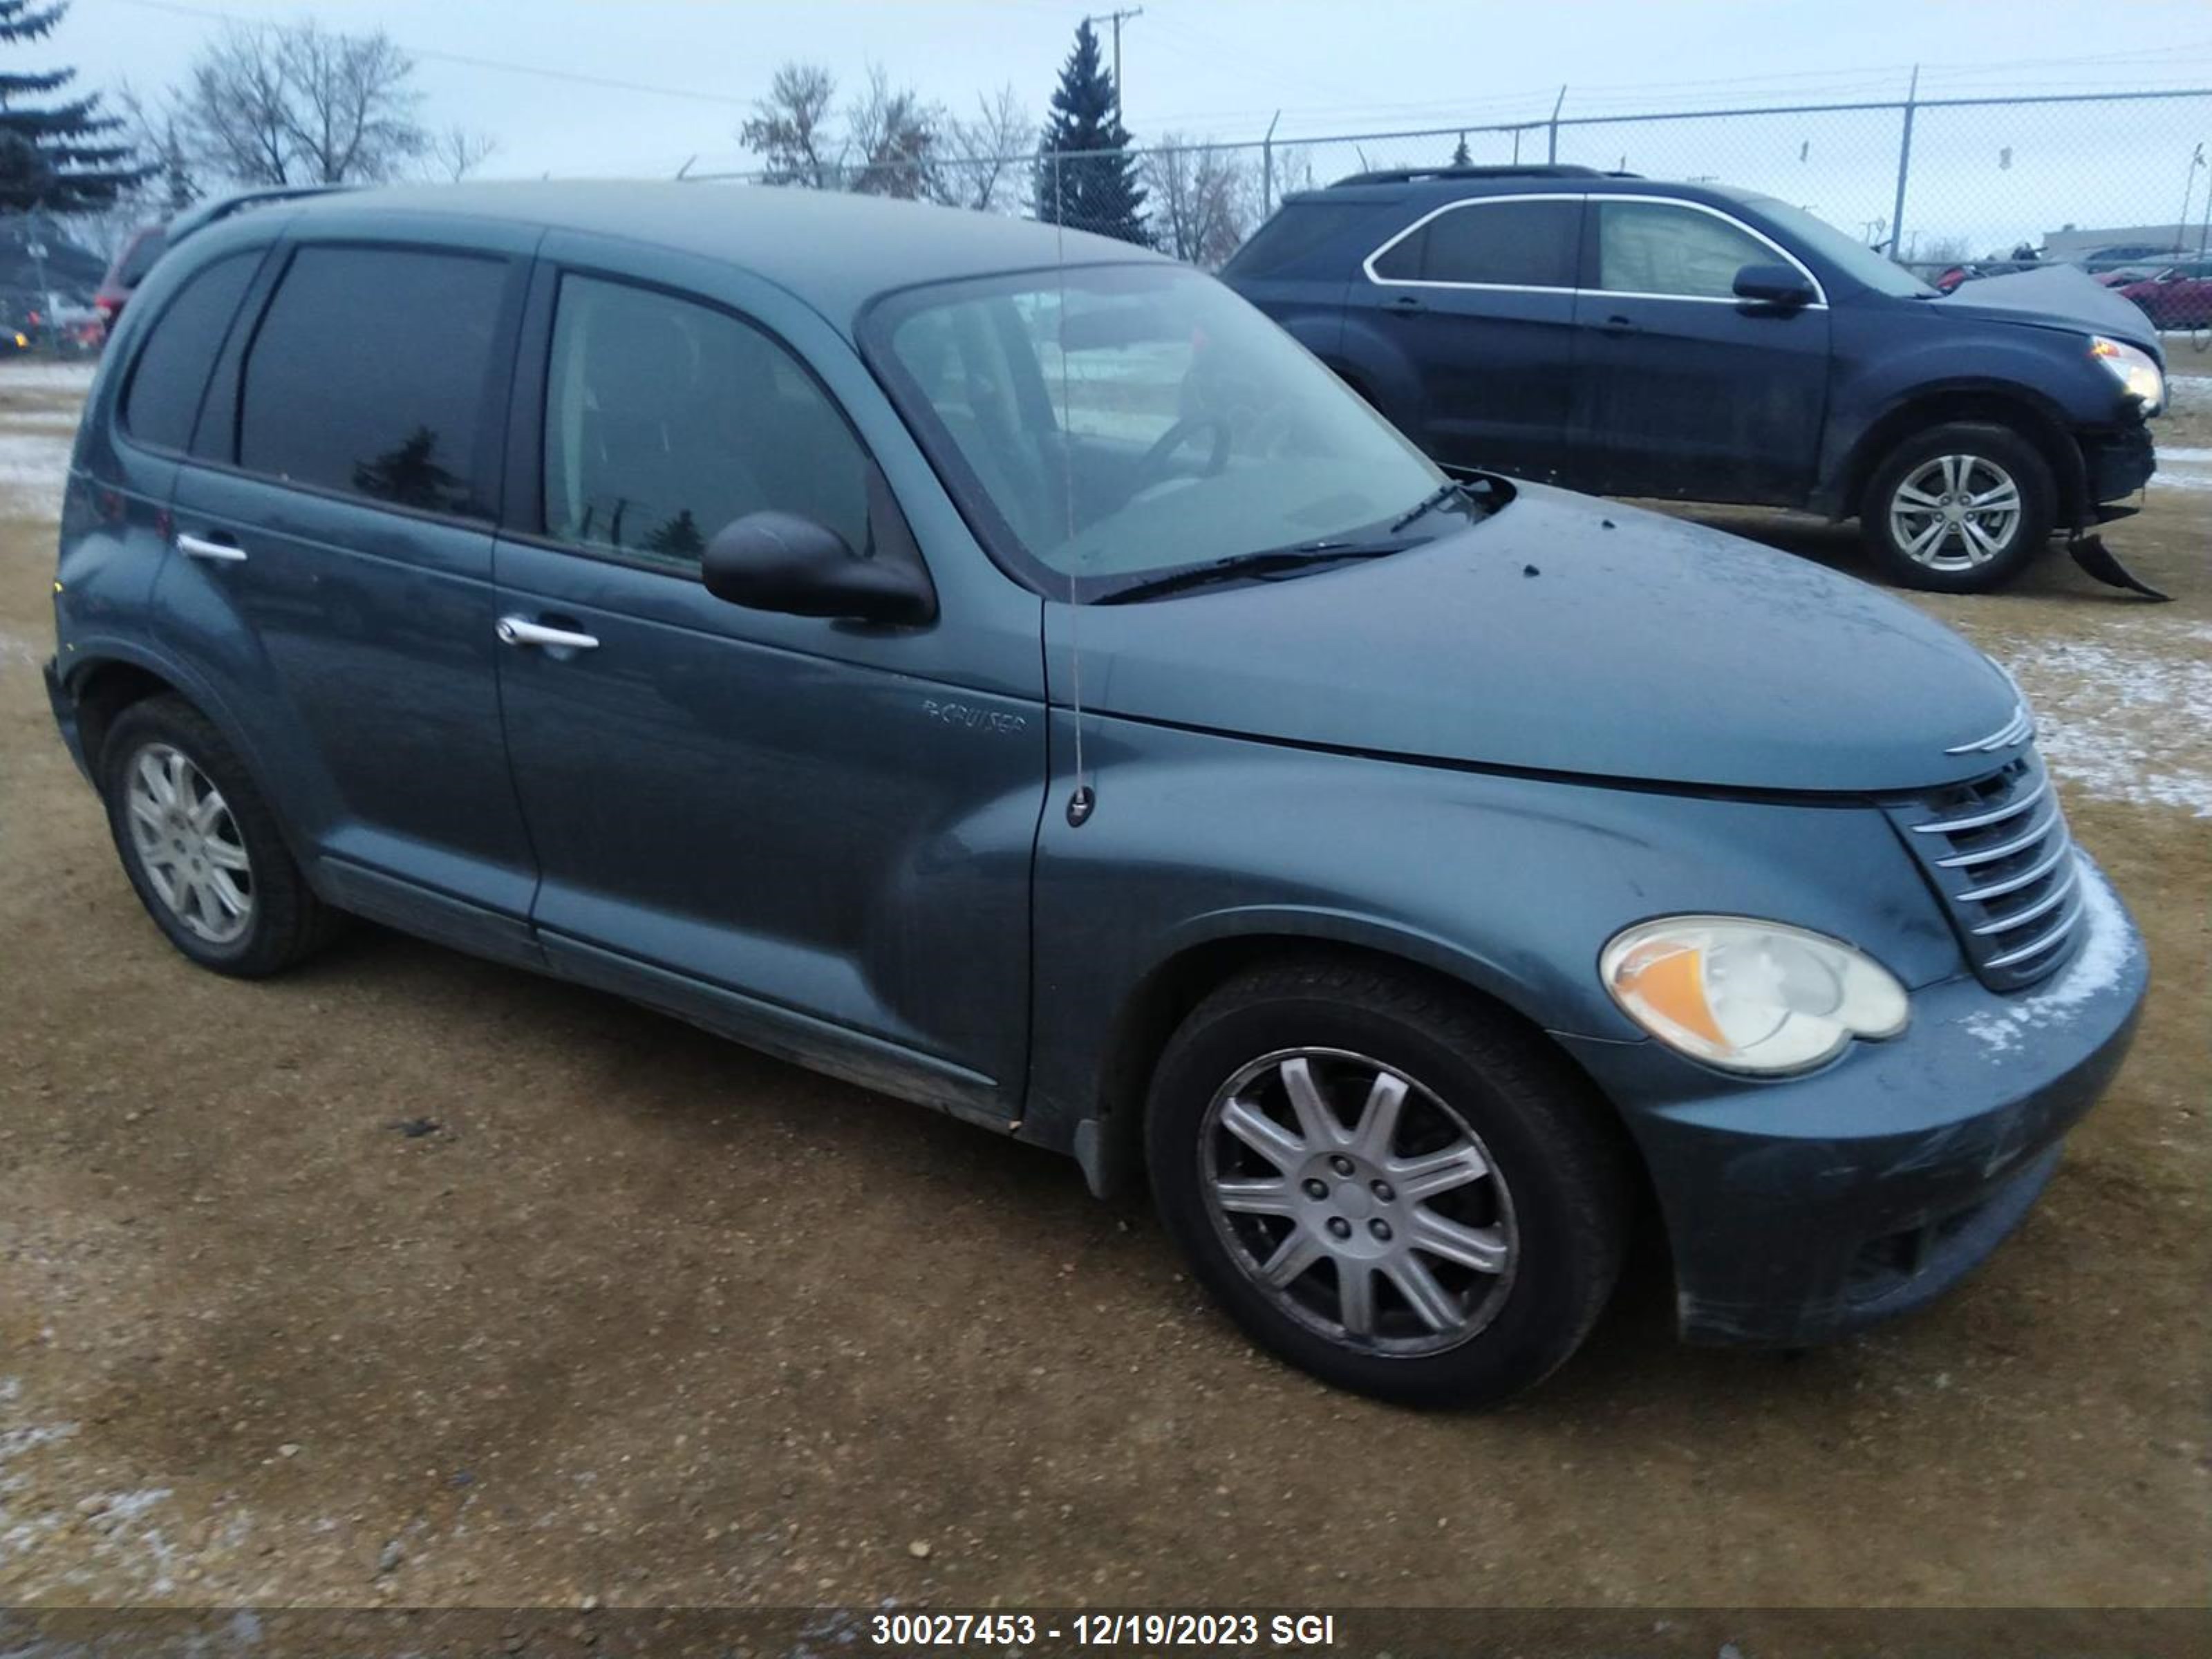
(1106, 425)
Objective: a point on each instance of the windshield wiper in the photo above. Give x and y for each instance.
(1269, 562)
(1449, 489)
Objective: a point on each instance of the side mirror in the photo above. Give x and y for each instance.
(781, 562)
(1773, 285)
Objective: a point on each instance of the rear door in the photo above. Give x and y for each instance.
(813, 834)
(333, 572)
(1478, 295)
(1692, 394)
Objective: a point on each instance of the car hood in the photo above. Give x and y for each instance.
(1561, 634)
(2059, 296)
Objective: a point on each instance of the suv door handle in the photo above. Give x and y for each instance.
(520, 630)
(199, 547)
(1616, 325)
(1409, 302)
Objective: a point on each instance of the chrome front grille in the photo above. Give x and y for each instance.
(1997, 852)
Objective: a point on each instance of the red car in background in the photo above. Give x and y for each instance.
(132, 261)
(2180, 296)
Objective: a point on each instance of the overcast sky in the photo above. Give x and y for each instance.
(1222, 68)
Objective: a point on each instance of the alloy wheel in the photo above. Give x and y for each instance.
(1954, 512)
(189, 845)
(1358, 1201)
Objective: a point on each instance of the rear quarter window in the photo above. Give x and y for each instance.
(1297, 230)
(171, 376)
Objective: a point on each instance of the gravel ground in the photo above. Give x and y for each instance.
(647, 1318)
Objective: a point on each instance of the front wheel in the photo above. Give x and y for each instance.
(1959, 508)
(1384, 1183)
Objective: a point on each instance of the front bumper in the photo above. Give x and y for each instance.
(2118, 463)
(1801, 1210)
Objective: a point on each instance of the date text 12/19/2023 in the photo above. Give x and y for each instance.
(1104, 1630)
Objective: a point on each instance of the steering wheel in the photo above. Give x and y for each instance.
(1152, 469)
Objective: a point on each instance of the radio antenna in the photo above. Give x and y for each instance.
(1079, 804)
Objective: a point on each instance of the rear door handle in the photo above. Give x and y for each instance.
(520, 630)
(1408, 302)
(199, 547)
(1618, 326)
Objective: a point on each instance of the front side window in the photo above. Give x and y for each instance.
(369, 373)
(666, 420)
(1503, 244)
(172, 372)
(1658, 247)
(1118, 421)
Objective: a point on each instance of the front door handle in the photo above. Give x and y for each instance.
(1618, 325)
(520, 630)
(1408, 302)
(199, 547)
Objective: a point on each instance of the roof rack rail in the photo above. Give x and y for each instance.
(201, 215)
(1512, 170)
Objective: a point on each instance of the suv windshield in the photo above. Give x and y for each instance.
(1882, 274)
(1117, 421)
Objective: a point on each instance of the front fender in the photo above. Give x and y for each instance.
(1511, 884)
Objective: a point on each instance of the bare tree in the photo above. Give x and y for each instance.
(1202, 199)
(160, 131)
(894, 136)
(987, 159)
(269, 104)
(452, 153)
(790, 128)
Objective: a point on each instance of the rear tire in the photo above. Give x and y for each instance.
(1454, 1255)
(201, 847)
(1963, 507)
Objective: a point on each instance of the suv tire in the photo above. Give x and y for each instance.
(1486, 1219)
(1959, 508)
(201, 846)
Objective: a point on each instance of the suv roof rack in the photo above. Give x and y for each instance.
(201, 215)
(1513, 170)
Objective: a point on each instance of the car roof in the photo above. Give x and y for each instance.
(1444, 185)
(836, 249)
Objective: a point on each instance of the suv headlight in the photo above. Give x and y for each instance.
(1749, 995)
(2136, 369)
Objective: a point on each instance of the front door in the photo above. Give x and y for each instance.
(1479, 299)
(1692, 394)
(812, 834)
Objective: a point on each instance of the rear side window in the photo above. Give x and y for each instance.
(1297, 230)
(368, 375)
(138, 258)
(172, 375)
(666, 420)
(1656, 248)
(1500, 243)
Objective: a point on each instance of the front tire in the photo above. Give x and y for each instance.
(1387, 1185)
(201, 847)
(1959, 508)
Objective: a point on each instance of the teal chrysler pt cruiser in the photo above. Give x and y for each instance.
(997, 666)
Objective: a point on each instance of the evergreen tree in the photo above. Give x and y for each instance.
(1075, 184)
(1461, 158)
(51, 154)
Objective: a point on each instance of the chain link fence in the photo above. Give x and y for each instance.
(2101, 178)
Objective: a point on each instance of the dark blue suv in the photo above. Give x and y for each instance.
(1636, 337)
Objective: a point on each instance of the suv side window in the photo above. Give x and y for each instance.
(163, 397)
(1660, 247)
(666, 419)
(1500, 243)
(369, 373)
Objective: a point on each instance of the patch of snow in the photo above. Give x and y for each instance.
(34, 470)
(2198, 455)
(12, 649)
(2126, 721)
(2162, 480)
(2108, 946)
(23, 376)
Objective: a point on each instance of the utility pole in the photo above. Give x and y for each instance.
(1115, 18)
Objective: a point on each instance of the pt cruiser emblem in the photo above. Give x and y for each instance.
(981, 719)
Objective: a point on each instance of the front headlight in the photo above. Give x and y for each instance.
(1749, 995)
(2134, 369)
